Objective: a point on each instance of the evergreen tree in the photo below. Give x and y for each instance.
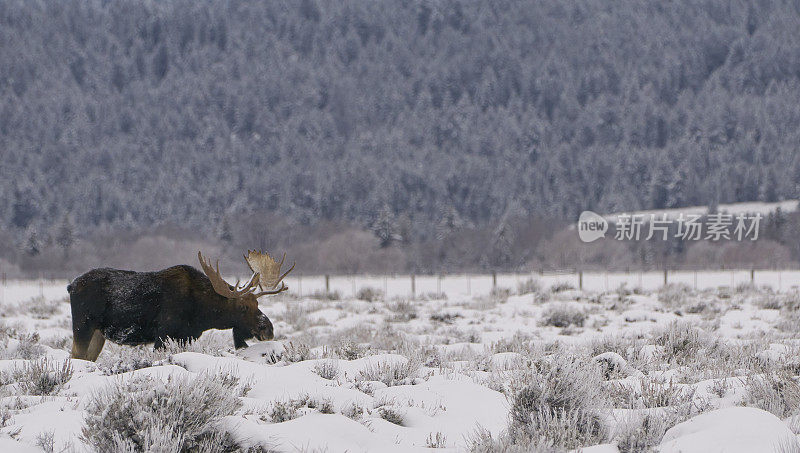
(224, 232)
(32, 245)
(449, 223)
(503, 244)
(64, 235)
(405, 229)
(384, 227)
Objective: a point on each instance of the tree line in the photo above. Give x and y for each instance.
(407, 118)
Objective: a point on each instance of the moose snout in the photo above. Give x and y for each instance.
(265, 329)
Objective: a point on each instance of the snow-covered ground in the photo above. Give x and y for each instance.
(538, 365)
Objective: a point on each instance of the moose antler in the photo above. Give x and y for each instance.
(221, 286)
(269, 271)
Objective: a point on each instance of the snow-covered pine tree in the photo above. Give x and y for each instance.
(32, 245)
(503, 244)
(449, 223)
(65, 237)
(384, 226)
(224, 232)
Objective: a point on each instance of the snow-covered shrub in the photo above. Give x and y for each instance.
(349, 350)
(387, 338)
(46, 441)
(768, 301)
(697, 307)
(432, 296)
(627, 348)
(520, 342)
(744, 288)
(460, 335)
(436, 440)
(5, 416)
(42, 377)
(483, 442)
(283, 411)
(789, 321)
(643, 432)
(392, 415)
(681, 342)
(29, 347)
(563, 316)
(444, 318)
(560, 401)
(391, 373)
(613, 365)
(180, 414)
(327, 369)
(774, 391)
(292, 352)
(498, 294)
(117, 359)
(650, 393)
(791, 300)
(41, 308)
(369, 294)
(529, 286)
(674, 295)
(326, 295)
(403, 311)
(59, 342)
(209, 344)
(122, 359)
(353, 411)
(561, 287)
(295, 315)
(324, 406)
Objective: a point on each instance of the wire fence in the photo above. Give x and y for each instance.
(482, 284)
(456, 285)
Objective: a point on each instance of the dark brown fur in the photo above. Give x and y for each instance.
(133, 308)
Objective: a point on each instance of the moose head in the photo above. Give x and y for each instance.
(243, 298)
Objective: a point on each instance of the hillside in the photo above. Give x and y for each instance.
(132, 114)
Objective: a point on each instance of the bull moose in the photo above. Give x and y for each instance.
(180, 302)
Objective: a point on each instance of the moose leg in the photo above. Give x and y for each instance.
(95, 346)
(80, 344)
(81, 338)
(159, 344)
(238, 338)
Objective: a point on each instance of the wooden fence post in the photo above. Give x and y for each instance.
(327, 284)
(580, 280)
(494, 280)
(413, 286)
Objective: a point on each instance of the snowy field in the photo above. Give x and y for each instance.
(535, 366)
